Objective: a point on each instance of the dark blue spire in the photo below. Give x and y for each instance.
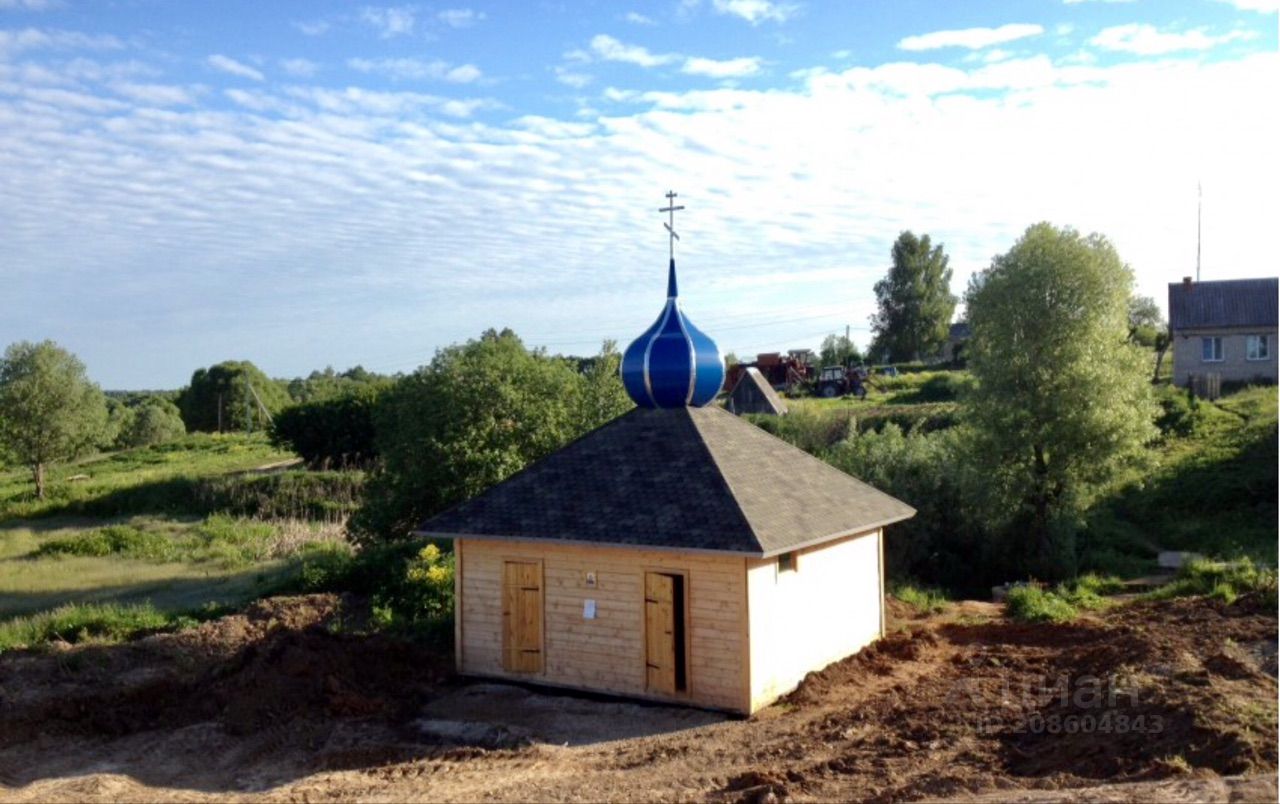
(673, 364)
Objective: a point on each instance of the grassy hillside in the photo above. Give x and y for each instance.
(1210, 490)
(145, 539)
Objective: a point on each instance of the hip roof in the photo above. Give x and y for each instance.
(678, 478)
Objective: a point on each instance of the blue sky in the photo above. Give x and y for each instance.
(306, 183)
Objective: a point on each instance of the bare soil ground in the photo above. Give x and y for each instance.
(1172, 701)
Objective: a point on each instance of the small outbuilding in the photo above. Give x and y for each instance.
(753, 394)
(677, 553)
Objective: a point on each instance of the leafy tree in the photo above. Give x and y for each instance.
(155, 420)
(120, 418)
(338, 430)
(477, 414)
(1148, 328)
(222, 397)
(838, 350)
(915, 301)
(603, 396)
(49, 411)
(1061, 402)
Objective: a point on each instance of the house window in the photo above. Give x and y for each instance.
(1211, 350)
(787, 562)
(1257, 348)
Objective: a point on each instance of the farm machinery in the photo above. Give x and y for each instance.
(796, 374)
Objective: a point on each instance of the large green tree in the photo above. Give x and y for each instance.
(49, 411)
(1061, 401)
(914, 301)
(838, 350)
(476, 415)
(231, 395)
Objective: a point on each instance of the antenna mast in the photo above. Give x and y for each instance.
(1199, 204)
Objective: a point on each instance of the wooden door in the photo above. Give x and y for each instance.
(660, 633)
(522, 616)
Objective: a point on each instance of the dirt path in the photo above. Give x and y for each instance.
(1172, 701)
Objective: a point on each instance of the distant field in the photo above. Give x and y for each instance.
(98, 476)
(150, 536)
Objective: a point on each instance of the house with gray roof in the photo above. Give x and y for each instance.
(1225, 328)
(676, 553)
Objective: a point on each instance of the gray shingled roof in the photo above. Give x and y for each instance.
(682, 478)
(1225, 303)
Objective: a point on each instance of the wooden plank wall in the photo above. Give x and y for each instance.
(607, 653)
(827, 608)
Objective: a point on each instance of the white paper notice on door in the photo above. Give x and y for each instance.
(588, 609)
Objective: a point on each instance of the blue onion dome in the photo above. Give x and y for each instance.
(673, 364)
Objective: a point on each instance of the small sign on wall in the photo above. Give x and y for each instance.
(588, 609)
(590, 579)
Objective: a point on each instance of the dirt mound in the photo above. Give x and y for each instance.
(1148, 690)
(284, 701)
(280, 660)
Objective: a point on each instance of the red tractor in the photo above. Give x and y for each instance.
(787, 373)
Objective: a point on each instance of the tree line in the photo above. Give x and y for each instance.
(1059, 404)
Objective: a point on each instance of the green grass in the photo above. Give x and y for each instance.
(173, 566)
(1212, 490)
(1034, 604)
(195, 456)
(924, 599)
(1222, 580)
(110, 622)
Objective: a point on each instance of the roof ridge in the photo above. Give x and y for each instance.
(720, 473)
(826, 467)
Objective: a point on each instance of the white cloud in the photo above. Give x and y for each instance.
(29, 5)
(15, 42)
(726, 68)
(313, 27)
(155, 94)
(275, 188)
(460, 17)
(299, 68)
(571, 78)
(230, 66)
(972, 38)
(1146, 40)
(408, 69)
(389, 21)
(1262, 6)
(636, 18)
(610, 49)
(756, 11)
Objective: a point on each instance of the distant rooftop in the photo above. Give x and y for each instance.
(1223, 303)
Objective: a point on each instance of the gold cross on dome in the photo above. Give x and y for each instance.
(671, 208)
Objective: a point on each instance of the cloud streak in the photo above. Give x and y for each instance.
(228, 65)
(1147, 40)
(971, 38)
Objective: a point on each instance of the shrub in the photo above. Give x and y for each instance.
(153, 421)
(121, 540)
(336, 431)
(1180, 412)
(234, 542)
(924, 599)
(1029, 603)
(1223, 580)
